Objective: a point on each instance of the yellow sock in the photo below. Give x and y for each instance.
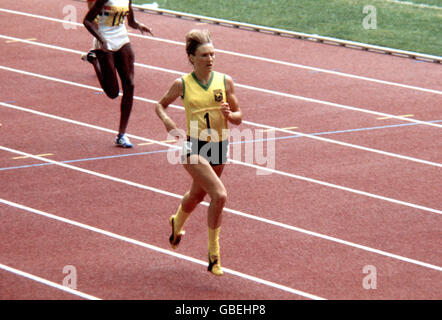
(214, 241)
(214, 255)
(180, 219)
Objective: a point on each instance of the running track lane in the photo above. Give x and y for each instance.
(378, 96)
(263, 236)
(331, 117)
(70, 149)
(90, 197)
(317, 149)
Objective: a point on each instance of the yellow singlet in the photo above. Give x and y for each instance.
(202, 103)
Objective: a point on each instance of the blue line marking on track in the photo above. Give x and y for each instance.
(341, 131)
(239, 142)
(86, 159)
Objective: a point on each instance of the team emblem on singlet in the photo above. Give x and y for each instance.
(218, 95)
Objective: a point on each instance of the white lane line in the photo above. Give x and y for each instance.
(252, 88)
(345, 144)
(160, 250)
(257, 167)
(248, 56)
(337, 73)
(47, 282)
(417, 5)
(385, 153)
(40, 155)
(236, 212)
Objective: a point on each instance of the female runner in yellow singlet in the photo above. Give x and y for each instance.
(210, 103)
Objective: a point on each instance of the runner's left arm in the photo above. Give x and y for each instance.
(133, 23)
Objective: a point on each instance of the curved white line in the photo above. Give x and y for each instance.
(160, 250)
(46, 282)
(385, 153)
(261, 90)
(236, 212)
(289, 64)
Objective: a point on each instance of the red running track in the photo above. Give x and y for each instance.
(358, 190)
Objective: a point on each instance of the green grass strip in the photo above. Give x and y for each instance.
(399, 26)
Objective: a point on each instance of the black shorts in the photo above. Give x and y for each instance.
(214, 152)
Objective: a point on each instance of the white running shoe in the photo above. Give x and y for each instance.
(123, 141)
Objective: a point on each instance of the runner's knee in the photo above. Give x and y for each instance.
(220, 197)
(128, 86)
(112, 92)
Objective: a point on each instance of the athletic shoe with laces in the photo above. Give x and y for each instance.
(123, 141)
(215, 264)
(90, 56)
(174, 239)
